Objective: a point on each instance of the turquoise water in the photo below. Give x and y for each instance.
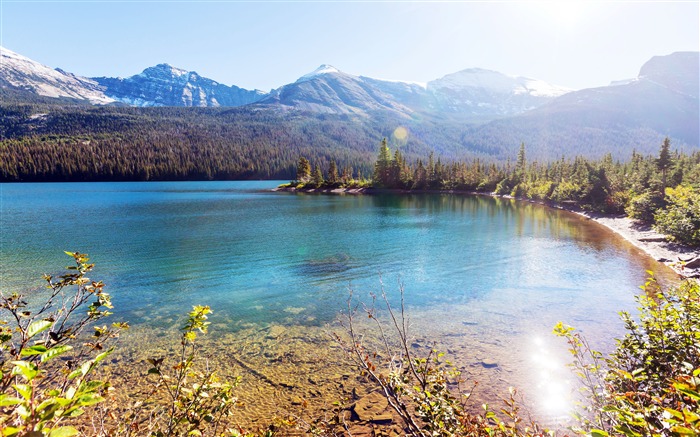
(485, 278)
(259, 256)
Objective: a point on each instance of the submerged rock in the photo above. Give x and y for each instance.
(372, 408)
(276, 331)
(489, 364)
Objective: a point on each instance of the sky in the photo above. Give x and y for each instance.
(266, 44)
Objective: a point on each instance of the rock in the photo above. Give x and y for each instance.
(489, 364)
(371, 407)
(693, 264)
(686, 257)
(382, 418)
(297, 401)
(287, 384)
(652, 239)
(360, 431)
(275, 331)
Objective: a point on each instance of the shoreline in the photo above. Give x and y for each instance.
(683, 260)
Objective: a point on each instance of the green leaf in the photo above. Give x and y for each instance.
(64, 431)
(33, 350)
(690, 393)
(54, 351)
(82, 370)
(47, 409)
(103, 355)
(6, 400)
(599, 433)
(26, 369)
(89, 399)
(11, 431)
(37, 327)
(682, 430)
(24, 390)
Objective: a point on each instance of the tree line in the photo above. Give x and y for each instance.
(661, 190)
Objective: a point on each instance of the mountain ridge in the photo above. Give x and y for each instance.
(325, 90)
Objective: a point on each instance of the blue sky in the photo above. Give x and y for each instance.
(264, 45)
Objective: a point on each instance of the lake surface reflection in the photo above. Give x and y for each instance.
(485, 278)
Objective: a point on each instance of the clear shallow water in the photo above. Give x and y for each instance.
(488, 275)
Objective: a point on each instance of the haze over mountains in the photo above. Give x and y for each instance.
(474, 113)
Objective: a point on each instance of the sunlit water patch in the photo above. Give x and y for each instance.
(485, 279)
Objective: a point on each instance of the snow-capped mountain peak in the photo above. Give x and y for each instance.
(540, 88)
(323, 69)
(497, 82)
(165, 70)
(18, 71)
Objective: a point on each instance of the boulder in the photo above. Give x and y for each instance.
(693, 263)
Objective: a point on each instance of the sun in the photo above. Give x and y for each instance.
(564, 13)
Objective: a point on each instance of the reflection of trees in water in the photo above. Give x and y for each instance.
(528, 219)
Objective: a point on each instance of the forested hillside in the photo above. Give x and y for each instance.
(41, 141)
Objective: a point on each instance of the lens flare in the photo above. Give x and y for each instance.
(400, 135)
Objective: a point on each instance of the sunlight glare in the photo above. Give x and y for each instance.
(552, 381)
(566, 14)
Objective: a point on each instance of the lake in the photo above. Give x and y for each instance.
(485, 279)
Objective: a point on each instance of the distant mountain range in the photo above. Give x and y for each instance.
(470, 113)
(661, 101)
(327, 90)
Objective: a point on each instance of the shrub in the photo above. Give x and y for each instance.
(680, 220)
(566, 191)
(42, 397)
(418, 387)
(649, 384)
(643, 206)
(503, 188)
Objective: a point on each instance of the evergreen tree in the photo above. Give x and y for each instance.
(317, 176)
(521, 163)
(664, 162)
(303, 170)
(382, 168)
(332, 172)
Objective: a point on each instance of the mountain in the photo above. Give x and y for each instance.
(466, 94)
(328, 114)
(164, 85)
(19, 73)
(662, 101)
(484, 92)
(327, 90)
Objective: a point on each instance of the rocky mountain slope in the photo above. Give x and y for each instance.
(18, 72)
(164, 85)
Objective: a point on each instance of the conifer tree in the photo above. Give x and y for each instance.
(521, 163)
(332, 172)
(303, 170)
(382, 168)
(664, 162)
(317, 176)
